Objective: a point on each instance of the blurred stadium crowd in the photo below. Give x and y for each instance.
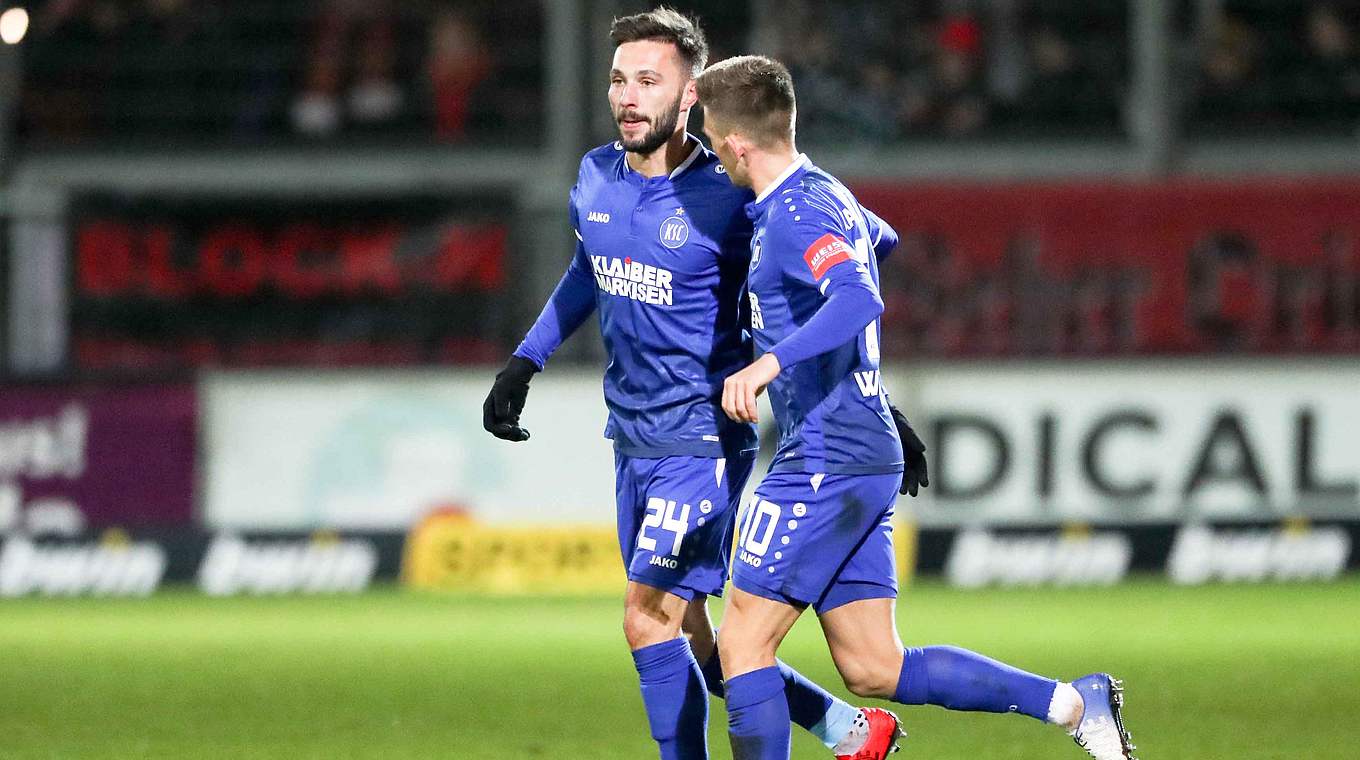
(880, 72)
(868, 72)
(1275, 66)
(275, 69)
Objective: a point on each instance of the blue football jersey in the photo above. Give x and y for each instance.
(664, 260)
(811, 237)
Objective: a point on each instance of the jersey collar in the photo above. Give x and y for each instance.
(694, 154)
(630, 173)
(786, 178)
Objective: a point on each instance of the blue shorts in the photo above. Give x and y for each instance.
(820, 540)
(676, 516)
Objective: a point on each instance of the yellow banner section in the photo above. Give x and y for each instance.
(449, 551)
(904, 546)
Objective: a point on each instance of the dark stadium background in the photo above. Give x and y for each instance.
(259, 262)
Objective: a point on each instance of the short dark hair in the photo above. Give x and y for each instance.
(665, 25)
(751, 93)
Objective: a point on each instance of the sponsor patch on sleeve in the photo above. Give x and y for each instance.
(826, 252)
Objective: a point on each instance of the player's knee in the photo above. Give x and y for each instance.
(635, 629)
(869, 685)
(723, 639)
(869, 677)
(733, 645)
(643, 627)
(744, 648)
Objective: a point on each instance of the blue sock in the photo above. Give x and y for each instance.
(758, 716)
(810, 706)
(958, 679)
(673, 693)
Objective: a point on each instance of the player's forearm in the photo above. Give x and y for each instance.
(847, 311)
(571, 303)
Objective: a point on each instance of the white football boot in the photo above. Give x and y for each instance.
(1101, 731)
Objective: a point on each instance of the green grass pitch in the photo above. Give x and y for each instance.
(1236, 672)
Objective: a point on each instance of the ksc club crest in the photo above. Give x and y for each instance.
(755, 255)
(674, 232)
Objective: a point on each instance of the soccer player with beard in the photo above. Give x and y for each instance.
(662, 254)
(818, 530)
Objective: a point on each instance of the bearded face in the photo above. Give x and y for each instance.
(645, 133)
(647, 88)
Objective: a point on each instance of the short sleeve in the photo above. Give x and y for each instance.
(882, 237)
(812, 246)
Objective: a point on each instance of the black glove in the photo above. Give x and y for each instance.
(914, 476)
(501, 410)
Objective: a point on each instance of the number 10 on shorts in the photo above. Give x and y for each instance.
(661, 514)
(757, 529)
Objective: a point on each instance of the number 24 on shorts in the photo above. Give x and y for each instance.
(661, 513)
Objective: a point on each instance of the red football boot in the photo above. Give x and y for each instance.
(881, 731)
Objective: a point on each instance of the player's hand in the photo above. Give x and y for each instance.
(505, 402)
(741, 388)
(914, 476)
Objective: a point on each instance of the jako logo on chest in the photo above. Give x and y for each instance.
(598, 216)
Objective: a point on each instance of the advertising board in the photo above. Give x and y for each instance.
(379, 451)
(1040, 474)
(87, 458)
(1109, 442)
(137, 563)
(1129, 442)
(175, 282)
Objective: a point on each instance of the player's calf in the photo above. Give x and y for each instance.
(669, 677)
(699, 630)
(758, 715)
(673, 694)
(757, 704)
(959, 679)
